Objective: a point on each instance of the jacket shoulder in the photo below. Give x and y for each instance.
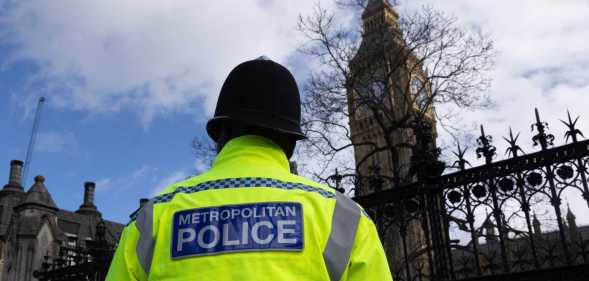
(198, 179)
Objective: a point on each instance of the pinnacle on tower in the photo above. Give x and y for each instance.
(379, 14)
(489, 227)
(38, 196)
(536, 225)
(572, 224)
(374, 6)
(570, 215)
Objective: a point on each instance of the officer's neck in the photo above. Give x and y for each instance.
(249, 147)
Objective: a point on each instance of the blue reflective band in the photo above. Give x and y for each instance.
(276, 226)
(242, 182)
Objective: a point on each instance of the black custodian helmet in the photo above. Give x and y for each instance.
(259, 93)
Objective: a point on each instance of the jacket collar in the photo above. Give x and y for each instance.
(249, 147)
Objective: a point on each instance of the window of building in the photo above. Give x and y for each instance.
(71, 240)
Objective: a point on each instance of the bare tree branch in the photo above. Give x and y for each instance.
(386, 78)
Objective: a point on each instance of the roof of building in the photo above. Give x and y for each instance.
(84, 226)
(81, 225)
(545, 239)
(39, 195)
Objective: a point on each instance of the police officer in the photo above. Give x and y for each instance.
(248, 217)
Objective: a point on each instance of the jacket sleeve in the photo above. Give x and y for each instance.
(125, 265)
(368, 260)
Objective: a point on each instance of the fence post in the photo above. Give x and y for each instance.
(438, 235)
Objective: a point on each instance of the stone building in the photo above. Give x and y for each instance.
(388, 81)
(519, 251)
(32, 226)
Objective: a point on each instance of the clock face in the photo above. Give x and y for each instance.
(377, 89)
(372, 94)
(374, 89)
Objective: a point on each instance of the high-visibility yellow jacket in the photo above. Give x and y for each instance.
(249, 218)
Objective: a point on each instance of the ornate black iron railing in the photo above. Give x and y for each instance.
(88, 263)
(502, 220)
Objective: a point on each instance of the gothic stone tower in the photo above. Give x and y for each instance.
(388, 86)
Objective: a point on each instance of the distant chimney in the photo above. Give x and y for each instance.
(89, 188)
(293, 167)
(15, 176)
(142, 202)
(88, 207)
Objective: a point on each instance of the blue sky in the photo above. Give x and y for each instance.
(126, 160)
(123, 105)
(131, 83)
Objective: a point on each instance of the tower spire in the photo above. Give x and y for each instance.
(489, 227)
(570, 215)
(572, 224)
(373, 5)
(537, 226)
(379, 14)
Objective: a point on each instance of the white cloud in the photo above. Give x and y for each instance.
(141, 172)
(165, 182)
(201, 164)
(154, 57)
(104, 184)
(138, 176)
(543, 62)
(54, 141)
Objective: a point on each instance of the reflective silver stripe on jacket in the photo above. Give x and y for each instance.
(341, 239)
(146, 241)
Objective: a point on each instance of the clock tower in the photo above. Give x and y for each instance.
(389, 90)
